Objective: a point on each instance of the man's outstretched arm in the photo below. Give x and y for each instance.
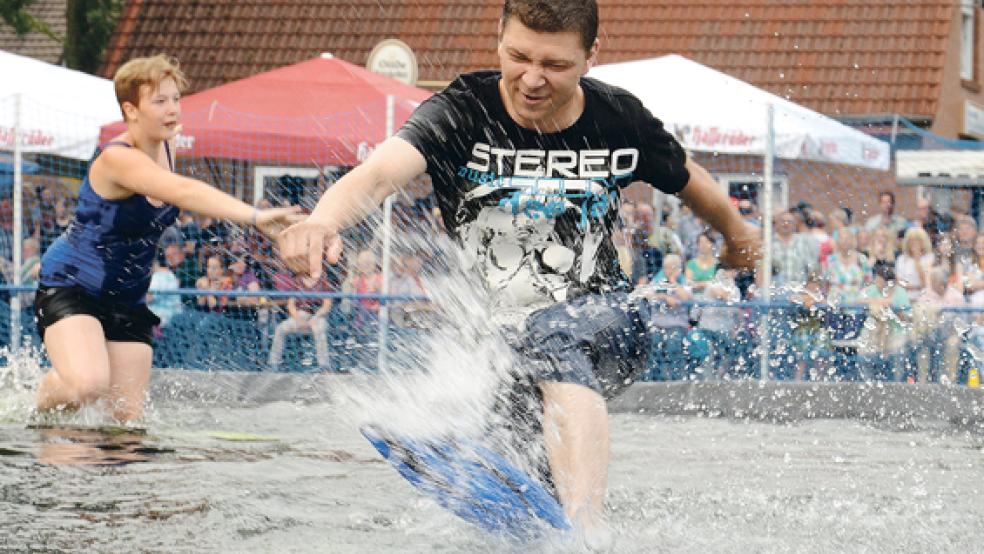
(743, 242)
(390, 167)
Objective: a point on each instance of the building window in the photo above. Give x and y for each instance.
(968, 44)
(742, 186)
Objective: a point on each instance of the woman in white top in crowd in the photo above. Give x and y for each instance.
(974, 277)
(913, 265)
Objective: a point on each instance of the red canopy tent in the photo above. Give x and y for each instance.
(323, 111)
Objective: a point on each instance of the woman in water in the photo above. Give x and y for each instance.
(90, 303)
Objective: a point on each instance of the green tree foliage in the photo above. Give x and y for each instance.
(90, 24)
(15, 14)
(88, 27)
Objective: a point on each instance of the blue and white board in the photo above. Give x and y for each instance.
(473, 482)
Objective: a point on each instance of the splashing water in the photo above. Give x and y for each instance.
(453, 378)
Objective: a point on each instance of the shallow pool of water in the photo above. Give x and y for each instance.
(283, 476)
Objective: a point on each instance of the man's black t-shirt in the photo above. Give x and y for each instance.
(534, 211)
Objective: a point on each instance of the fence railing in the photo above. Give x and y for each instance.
(251, 331)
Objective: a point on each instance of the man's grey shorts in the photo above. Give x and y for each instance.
(601, 341)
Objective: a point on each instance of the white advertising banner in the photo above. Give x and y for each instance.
(710, 111)
(57, 110)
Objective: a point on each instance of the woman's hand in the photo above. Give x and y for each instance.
(272, 221)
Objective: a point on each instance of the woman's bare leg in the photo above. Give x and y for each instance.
(80, 364)
(129, 375)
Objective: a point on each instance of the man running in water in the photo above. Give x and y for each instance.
(528, 164)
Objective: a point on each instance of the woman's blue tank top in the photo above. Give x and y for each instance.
(109, 246)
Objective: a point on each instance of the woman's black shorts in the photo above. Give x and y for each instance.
(120, 322)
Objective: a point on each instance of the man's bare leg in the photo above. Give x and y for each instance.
(575, 429)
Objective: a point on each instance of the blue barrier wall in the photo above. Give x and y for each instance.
(820, 344)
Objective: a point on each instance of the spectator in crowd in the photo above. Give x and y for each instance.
(183, 267)
(974, 275)
(407, 280)
(171, 235)
(749, 212)
(884, 334)
(862, 238)
(6, 232)
(164, 306)
(940, 292)
(794, 255)
(882, 247)
(946, 258)
(930, 220)
(671, 319)
(216, 278)
(936, 339)
(886, 217)
(847, 273)
(31, 264)
(673, 273)
(689, 228)
(305, 316)
(212, 238)
(364, 279)
(817, 227)
(647, 258)
(243, 279)
(191, 233)
(53, 224)
(974, 289)
(847, 269)
(657, 235)
(917, 258)
(628, 216)
(837, 219)
(43, 209)
(809, 337)
(718, 323)
(30, 268)
(703, 267)
(965, 235)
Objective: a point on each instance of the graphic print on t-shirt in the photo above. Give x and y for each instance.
(514, 237)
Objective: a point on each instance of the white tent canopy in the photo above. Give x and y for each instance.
(710, 111)
(54, 110)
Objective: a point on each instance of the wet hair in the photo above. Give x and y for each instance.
(556, 16)
(145, 71)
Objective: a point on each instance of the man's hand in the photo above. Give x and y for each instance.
(742, 250)
(305, 245)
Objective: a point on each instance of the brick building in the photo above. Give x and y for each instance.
(860, 61)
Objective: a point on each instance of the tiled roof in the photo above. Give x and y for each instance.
(840, 57)
(223, 40)
(37, 45)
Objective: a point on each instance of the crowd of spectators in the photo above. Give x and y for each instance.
(856, 299)
(871, 299)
